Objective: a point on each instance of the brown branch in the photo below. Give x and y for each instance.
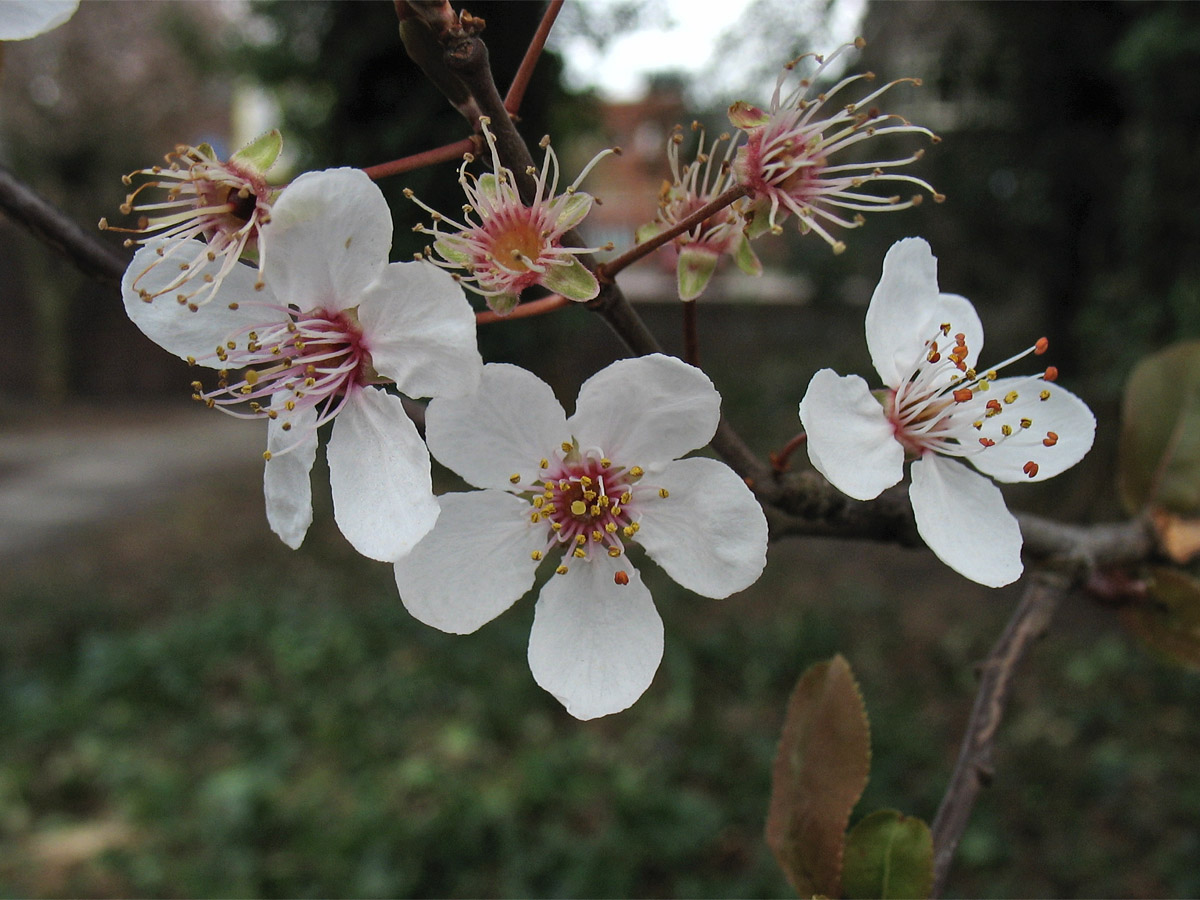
(691, 335)
(516, 90)
(424, 158)
(975, 766)
(613, 267)
(524, 310)
(52, 227)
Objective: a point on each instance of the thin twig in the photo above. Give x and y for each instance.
(613, 267)
(51, 226)
(524, 310)
(975, 766)
(516, 90)
(424, 158)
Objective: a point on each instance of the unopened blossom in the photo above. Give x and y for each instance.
(940, 407)
(23, 19)
(695, 185)
(575, 493)
(197, 195)
(331, 319)
(788, 160)
(503, 245)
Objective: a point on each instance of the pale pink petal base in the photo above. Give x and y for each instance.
(709, 533)
(595, 644)
(475, 563)
(850, 440)
(379, 471)
(962, 517)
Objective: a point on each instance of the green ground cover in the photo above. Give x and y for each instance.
(190, 709)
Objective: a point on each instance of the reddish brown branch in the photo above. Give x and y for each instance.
(609, 270)
(516, 90)
(424, 158)
(524, 310)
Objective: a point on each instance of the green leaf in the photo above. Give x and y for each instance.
(1159, 451)
(695, 269)
(1168, 622)
(260, 154)
(820, 772)
(888, 855)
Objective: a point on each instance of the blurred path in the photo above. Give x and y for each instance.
(81, 467)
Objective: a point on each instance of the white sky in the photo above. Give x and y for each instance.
(686, 41)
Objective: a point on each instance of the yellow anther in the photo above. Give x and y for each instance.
(515, 478)
(604, 501)
(579, 553)
(637, 471)
(1026, 423)
(289, 405)
(578, 508)
(561, 570)
(991, 375)
(557, 526)
(538, 501)
(535, 517)
(626, 497)
(977, 425)
(662, 492)
(614, 551)
(564, 485)
(610, 527)
(597, 536)
(1006, 430)
(267, 455)
(549, 494)
(286, 426)
(549, 509)
(605, 462)
(616, 510)
(566, 448)
(589, 495)
(627, 531)
(535, 555)
(1044, 395)
(595, 510)
(585, 480)
(971, 374)
(191, 360)
(544, 464)
(636, 526)
(580, 539)
(1010, 397)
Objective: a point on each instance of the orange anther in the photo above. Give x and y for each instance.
(994, 405)
(622, 577)
(1030, 468)
(987, 442)
(962, 395)
(1040, 347)
(1050, 439)
(1051, 374)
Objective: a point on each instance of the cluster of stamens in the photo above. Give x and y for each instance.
(696, 184)
(510, 246)
(309, 361)
(587, 503)
(931, 411)
(222, 202)
(785, 161)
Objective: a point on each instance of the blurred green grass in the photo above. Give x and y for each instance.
(191, 709)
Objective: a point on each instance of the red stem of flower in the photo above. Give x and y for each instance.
(424, 158)
(524, 310)
(779, 461)
(516, 91)
(606, 272)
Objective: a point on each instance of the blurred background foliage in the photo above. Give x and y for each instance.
(192, 710)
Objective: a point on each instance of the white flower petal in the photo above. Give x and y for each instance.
(595, 645)
(962, 517)
(1061, 412)
(178, 329)
(327, 240)
(709, 533)
(646, 411)
(850, 440)
(286, 480)
(906, 311)
(506, 427)
(474, 564)
(21, 19)
(420, 331)
(379, 471)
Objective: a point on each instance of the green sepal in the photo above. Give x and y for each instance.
(574, 211)
(502, 304)
(260, 154)
(758, 219)
(450, 250)
(888, 855)
(648, 231)
(745, 257)
(745, 116)
(490, 188)
(574, 282)
(695, 270)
